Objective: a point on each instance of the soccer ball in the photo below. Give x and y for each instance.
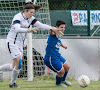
(83, 81)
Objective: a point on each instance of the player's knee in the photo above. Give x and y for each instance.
(20, 64)
(61, 73)
(67, 69)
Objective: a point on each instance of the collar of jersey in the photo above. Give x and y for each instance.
(24, 16)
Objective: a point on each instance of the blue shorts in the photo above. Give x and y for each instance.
(54, 63)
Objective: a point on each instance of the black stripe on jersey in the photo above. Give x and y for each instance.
(33, 22)
(9, 47)
(16, 21)
(15, 39)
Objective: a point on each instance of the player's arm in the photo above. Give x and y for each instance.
(64, 46)
(23, 30)
(41, 25)
(57, 32)
(44, 26)
(16, 24)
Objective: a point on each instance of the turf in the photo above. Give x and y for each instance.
(47, 83)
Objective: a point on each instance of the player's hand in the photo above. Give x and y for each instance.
(57, 32)
(65, 47)
(33, 29)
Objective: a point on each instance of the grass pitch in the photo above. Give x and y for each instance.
(47, 83)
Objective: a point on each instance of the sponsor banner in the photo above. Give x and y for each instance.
(79, 17)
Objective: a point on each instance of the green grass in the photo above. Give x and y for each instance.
(47, 83)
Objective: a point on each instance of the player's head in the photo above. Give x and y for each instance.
(29, 9)
(61, 25)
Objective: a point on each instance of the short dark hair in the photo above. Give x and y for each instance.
(59, 22)
(29, 5)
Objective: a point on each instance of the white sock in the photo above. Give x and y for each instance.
(6, 67)
(14, 75)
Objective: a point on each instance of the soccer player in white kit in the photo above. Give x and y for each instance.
(16, 36)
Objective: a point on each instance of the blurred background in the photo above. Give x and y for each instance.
(79, 15)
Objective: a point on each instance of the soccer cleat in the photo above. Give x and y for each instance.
(61, 85)
(66, 82)
(14, 85)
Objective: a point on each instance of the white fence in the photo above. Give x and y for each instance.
(83, 55)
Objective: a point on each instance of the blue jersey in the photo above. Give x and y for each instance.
(53, 44)
(53, 58)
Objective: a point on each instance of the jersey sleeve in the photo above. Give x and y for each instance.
(19, 29)
(43, 26)
(16, 20)
(16, 24)
(35, 22)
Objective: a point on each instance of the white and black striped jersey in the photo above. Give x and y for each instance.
(19, 28)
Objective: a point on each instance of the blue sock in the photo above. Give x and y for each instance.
(64, 77)
(58, 80)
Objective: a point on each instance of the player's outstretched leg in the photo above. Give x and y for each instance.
(6, 67)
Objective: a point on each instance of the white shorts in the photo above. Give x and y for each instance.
(14, 50)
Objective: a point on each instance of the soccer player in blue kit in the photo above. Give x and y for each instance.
(53, 58)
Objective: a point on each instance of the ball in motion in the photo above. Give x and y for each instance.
(83, 81)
